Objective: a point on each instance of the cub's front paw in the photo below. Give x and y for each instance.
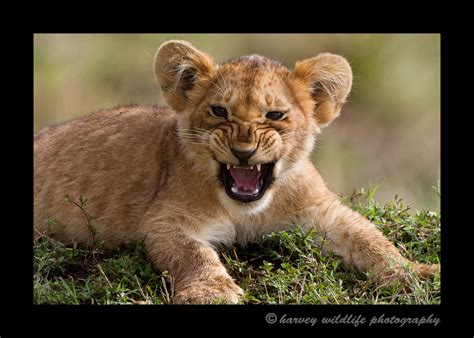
(405, 274)
(428, 270)
(220, 289)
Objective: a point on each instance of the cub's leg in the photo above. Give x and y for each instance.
(359, 243)
(198, 275)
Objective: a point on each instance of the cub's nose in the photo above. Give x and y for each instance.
(243, 156)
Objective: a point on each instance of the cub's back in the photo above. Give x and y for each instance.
(113, 158)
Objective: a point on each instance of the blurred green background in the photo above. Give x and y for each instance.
(388, 132)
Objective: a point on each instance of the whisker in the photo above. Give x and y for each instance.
(296, 133)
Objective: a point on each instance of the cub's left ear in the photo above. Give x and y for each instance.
(328, 78)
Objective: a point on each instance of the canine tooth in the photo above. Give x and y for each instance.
(228, 166)
(255, 191)
(234, 190)
(259, 167)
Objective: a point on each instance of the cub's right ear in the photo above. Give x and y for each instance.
(183, 72)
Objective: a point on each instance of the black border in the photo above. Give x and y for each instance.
(134, 319)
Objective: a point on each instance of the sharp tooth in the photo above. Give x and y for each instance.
(258, 167)
(234, 166)
(234, 190)
(255, 191)
(228, 166)
(251, 168)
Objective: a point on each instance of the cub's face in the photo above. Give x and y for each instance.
(250, 125)
(248, 122)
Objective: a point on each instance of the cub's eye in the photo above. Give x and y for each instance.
(218, 111)
(274, 115)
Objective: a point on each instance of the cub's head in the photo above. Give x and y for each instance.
(248, 122)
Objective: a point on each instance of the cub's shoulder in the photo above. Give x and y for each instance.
(128, 116)
(136, 110)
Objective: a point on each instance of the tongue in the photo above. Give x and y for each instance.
(245, 179)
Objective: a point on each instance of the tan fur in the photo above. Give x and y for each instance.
(151, 173)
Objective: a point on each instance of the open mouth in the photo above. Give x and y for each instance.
(246, 183)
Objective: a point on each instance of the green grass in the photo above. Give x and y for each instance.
(284, 268)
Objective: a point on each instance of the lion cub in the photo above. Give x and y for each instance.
(228, 161)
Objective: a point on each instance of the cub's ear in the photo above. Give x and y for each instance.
(183, 72)
(328, 77)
